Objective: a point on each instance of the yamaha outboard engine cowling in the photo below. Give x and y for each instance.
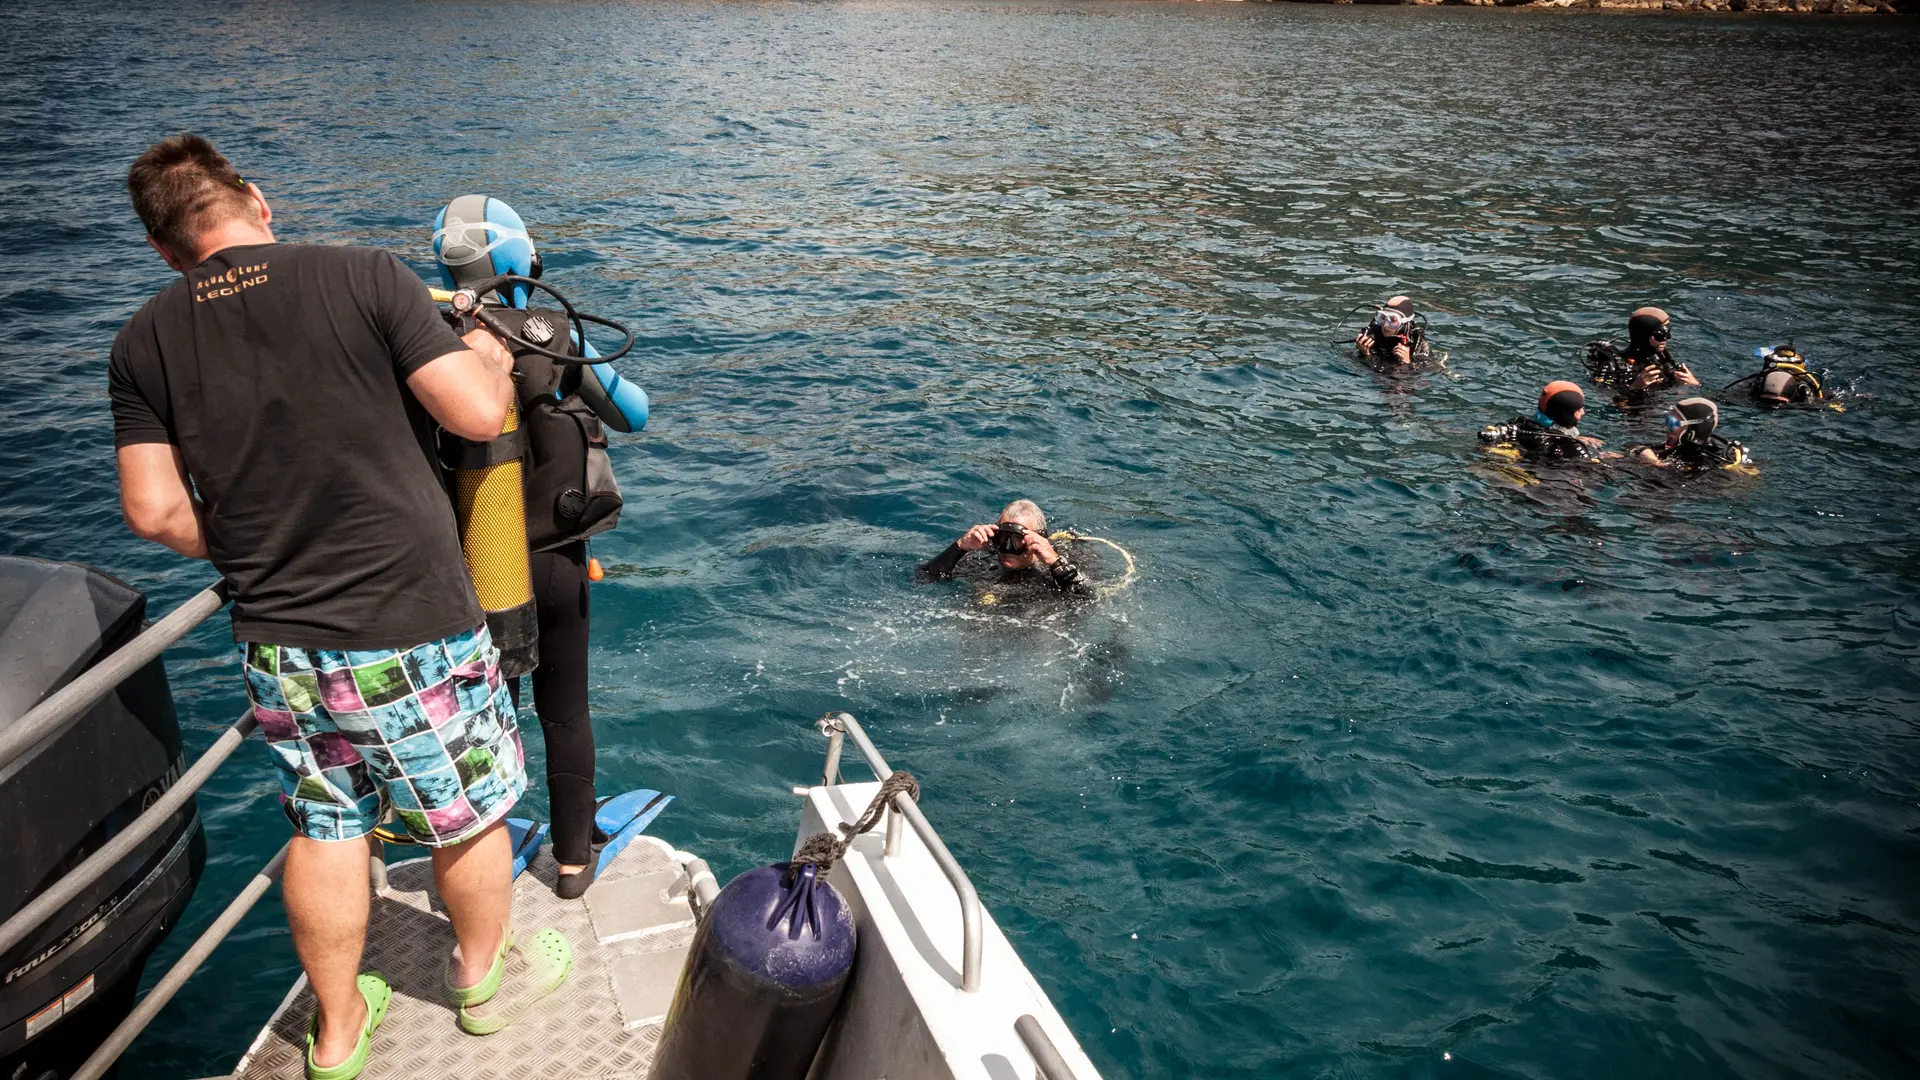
(762, 981)
(73, 977)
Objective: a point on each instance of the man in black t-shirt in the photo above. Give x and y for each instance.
(274, 413)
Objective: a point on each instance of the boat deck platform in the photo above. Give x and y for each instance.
(629, 937)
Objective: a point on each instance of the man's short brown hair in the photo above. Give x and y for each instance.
(181, 186)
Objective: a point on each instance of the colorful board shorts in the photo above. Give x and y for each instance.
(429, 732)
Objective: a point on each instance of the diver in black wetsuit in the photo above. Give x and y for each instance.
(1691, 440)
(1783, 379)
(1019, 541)
(1552, 433)
(1396, 335)
(1646, 363)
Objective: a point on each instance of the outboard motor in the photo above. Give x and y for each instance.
(73, 978)
(762, 981)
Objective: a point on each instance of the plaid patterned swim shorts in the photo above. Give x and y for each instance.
(428, 732)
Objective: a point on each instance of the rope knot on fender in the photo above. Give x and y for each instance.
(822, 850)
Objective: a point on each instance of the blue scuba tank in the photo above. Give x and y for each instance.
(763, 980)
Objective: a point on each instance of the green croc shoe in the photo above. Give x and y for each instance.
(374, 988)
(483, 990)
(534, 970)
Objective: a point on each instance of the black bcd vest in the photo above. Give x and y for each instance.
(570, 490)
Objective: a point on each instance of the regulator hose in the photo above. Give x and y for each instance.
(1126, 579)
(467, 301)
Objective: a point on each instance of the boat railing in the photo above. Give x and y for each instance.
(66, 705)
(1046, 1056)
(838, 727)
(53, 716)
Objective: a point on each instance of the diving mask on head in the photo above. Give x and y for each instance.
(1785, 356)
(477, 238)
(1692, 420)
(1649, 324)
(1388, 323)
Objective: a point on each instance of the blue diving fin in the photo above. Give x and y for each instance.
(525, 837)
(623, 817)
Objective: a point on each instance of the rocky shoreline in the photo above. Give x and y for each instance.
(1804, 7)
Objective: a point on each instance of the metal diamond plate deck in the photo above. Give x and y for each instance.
(578, 1032)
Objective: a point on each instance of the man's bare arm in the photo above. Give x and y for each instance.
(157, 500)
(468, 391)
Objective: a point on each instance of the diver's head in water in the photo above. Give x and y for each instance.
(1562, 404)
(1648, 328)
(1011, 544)
(1691, 422)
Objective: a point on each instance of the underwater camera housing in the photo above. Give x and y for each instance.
(73, 978)
(1010, 538)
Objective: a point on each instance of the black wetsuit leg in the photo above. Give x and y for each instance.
(560, 697)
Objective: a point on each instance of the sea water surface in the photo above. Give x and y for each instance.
(1390, 763)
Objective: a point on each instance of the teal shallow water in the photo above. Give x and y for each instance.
(1382, 758)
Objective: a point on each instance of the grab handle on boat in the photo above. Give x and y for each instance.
(972, 935)
(1046, 1056)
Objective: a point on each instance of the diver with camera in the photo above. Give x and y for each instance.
(1645, 363)
(1026, 553)
(1397, 334)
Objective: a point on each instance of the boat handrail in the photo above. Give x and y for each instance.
(837, 727)
(54, 715)
(62, 892)
(68, 703)
(109, 1051)
(1046, 1056)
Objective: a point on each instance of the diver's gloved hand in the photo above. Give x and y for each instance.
(977, 537)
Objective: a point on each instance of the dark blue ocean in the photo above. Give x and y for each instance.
(1391, 762)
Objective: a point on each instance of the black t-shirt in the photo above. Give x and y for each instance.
(279, 370)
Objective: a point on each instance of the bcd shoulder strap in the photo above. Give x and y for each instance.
(571, 493)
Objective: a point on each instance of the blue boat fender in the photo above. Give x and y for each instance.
(769, 965)
(762, 980)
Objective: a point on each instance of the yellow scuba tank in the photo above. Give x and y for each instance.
(489, 505)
